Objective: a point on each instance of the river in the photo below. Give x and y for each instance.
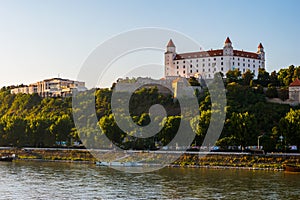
(55, 180)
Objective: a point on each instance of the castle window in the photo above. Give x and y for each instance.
(258, 61)
(248, 65)
(253, 60)
(209, 69)
(191, 71)
(197, 65)
(248, 60)
(191, 60)
(177, 72)
(214, 58)
(222, 68)
(203, 60)
(233, 63)
(177, 62)
(197, 70)
(203, 65)
(177, 67)
(197, 60)
(221, 58)
(221, 63)
(238, 58)
(243, 70)
(209, 59)
(208, 64)
(191, 66)
(184, 71)
(183, 66)
(244, 59)
(203, 70)
(238, 64)
(253, 66)
(243, 64)
(253, 71)
(233, 58)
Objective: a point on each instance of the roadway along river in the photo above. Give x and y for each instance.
(49, 180)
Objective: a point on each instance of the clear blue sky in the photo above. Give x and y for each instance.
(41, 39)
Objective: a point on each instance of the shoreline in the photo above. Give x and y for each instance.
(186, 160)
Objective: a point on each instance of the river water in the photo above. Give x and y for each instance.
(49, 180)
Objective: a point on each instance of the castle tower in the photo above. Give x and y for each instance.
(169, 57)
(228, 49)
(261, 53)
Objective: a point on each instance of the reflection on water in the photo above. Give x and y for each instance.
(46, 180)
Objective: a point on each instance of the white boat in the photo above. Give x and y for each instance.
(119, 164)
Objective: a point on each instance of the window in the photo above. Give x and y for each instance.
(215, 59)
(253, 66)
(184, 71)
(197, 65)
(258, 61)
(203, 60)
(238, 58)
(177, 67)
(183, 66)
(191, 66)
(191, 61)
(177, 62)
(253, 60)
(244, 59)
(197, 70)
(238, 64)
(243, 70)
(203, 65)
(243, 64)
(209, 70)
(191, 71)
(222, 69)
(221, 63)
(248, 65)
(203, 70)
(184, 61)
(248, 60)
(197, 60)
(208, 64)
(209, 59)
(221, 58)
(233, 63)
(233, 58)
(253, 71)
(177, 72)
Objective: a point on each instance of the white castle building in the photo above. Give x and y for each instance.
(206, 63)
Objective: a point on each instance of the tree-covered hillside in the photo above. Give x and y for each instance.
(28, 120)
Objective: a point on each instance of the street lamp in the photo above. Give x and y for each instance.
(258, 147)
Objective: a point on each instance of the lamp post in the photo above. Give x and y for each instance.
(258, 147)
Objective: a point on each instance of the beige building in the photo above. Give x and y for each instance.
(294, 90)
(55, 87)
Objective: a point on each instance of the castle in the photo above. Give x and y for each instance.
(204, 64)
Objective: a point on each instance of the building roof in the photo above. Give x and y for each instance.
(295, 83)
(260, 46)
(214, 53)
(170, 43)
(227, 40)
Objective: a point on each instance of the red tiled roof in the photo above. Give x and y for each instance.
(260, 46)
(213, 53)
(227, 40)
(245, 54)
(295, 83)
(170, 43)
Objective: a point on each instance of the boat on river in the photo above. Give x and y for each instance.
(7, 158)
(119, 164)
(292, 168)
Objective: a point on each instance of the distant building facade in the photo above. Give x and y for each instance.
(206, 63)
(55, 87)
(294, 90)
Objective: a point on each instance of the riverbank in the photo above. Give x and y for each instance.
(188, 159)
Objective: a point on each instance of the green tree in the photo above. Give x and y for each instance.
(247, 77)
(233, 75)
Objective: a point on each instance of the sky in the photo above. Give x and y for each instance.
(51, 38)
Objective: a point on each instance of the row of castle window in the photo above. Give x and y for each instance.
(216, 59)
(191, 71)
(203, 65)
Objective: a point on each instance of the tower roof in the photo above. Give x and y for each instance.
(227, 40)
(170, 43)
(295, 83)
(260, 46)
